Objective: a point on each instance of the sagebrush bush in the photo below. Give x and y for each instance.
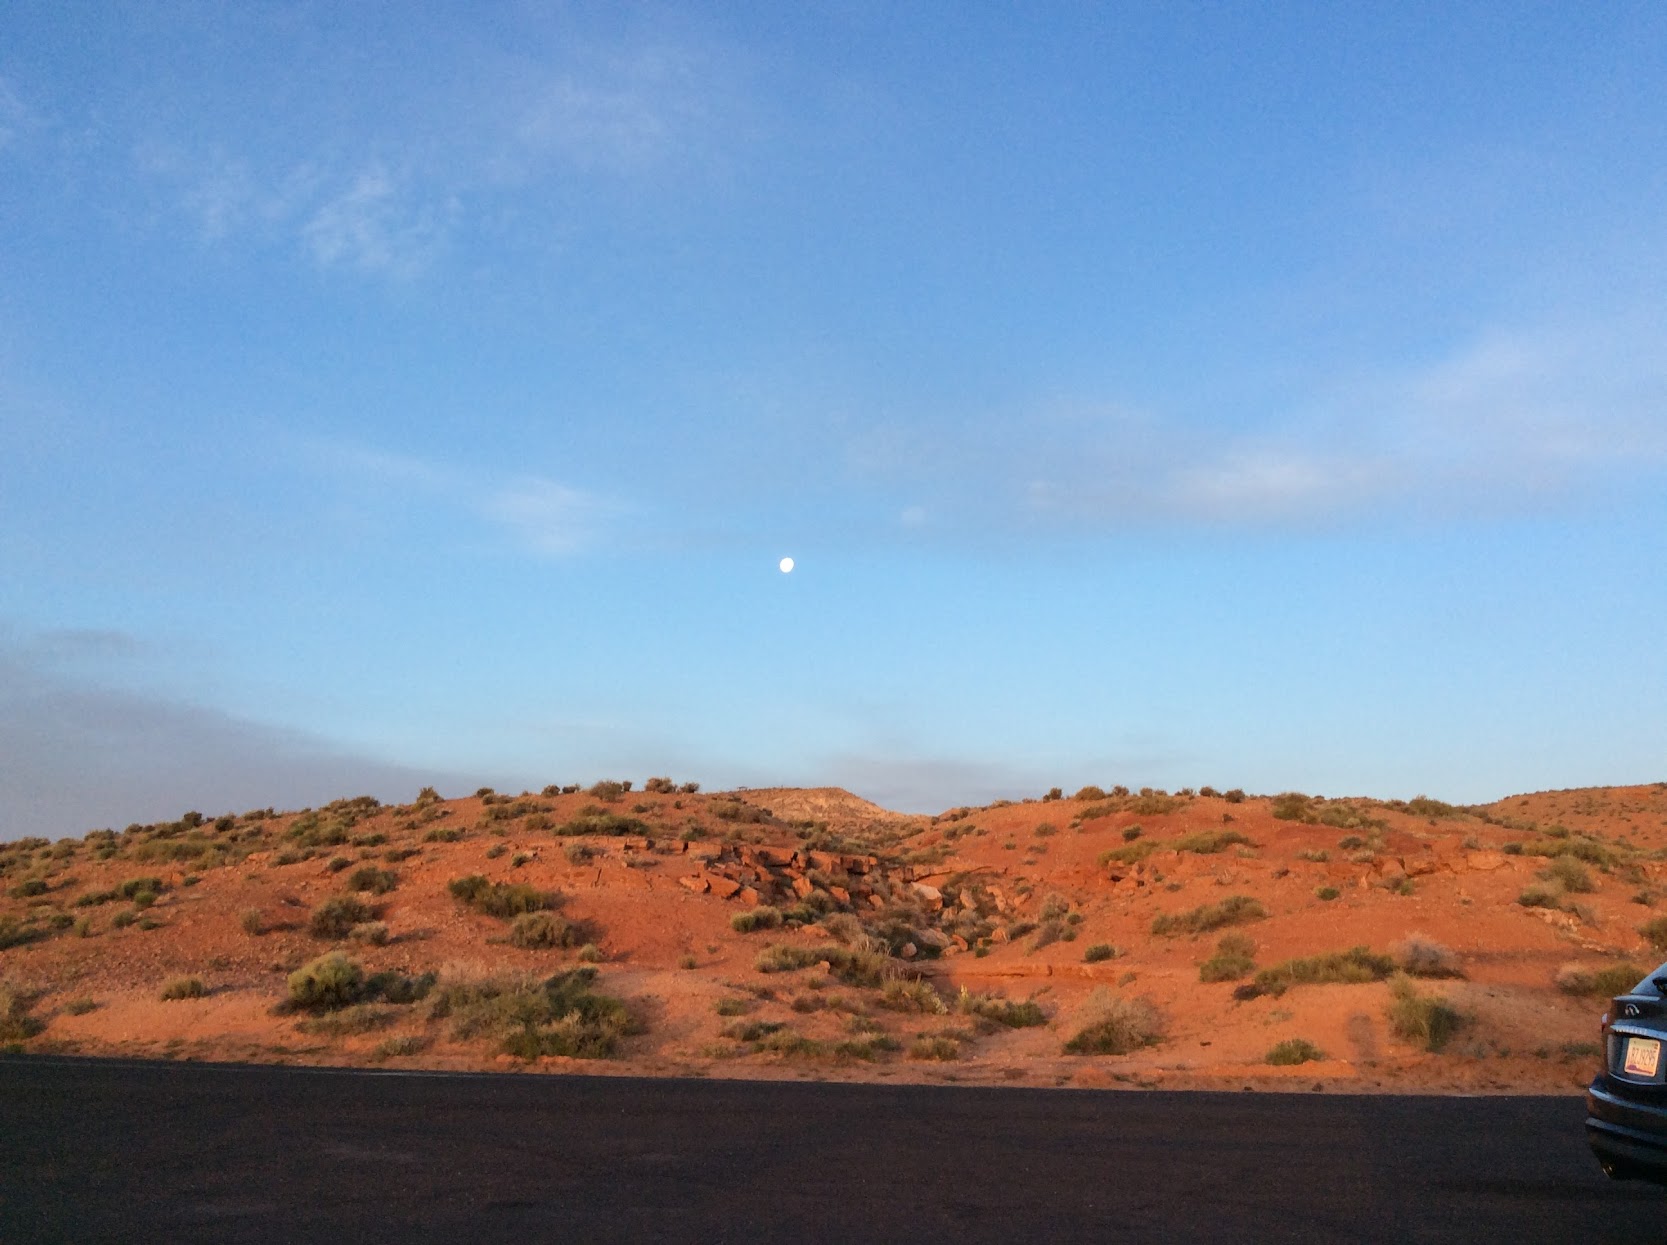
(184, 988)
(1615, 979)
(1570, 874)
(1234, 910)
(331, 981)
(1351, 967)
(336, 916)
(1235, 958)
(1548, 897)
(16, 1024)
(1211, 842)
(1098, 952)
(761, 917)
(544, 931)
(253, 922)
(562, 1015)
(500, 899)
(936, 1048)
(1000, 1011)
(852, 965)
(370, 878)
(1114, 1025)
(1419, 955)
(1425, 1020)
(1293, 1051)
(373, 932)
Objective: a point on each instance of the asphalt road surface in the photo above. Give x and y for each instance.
(95, 1150)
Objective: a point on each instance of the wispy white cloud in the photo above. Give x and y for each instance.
(541, 515)
(375, 225)
(17, 119)
(549, 517)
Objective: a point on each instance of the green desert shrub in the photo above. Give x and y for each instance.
(500, 899)
(1293, 1051)
(1211, 842)
(1655, 933)
(253, 921)
(1234, 959)
(331, 981)
(853, 965)
(336, 916)
(1292, 806)
(593, 820)
(1538, 896)
(1234, 910)
(1615, 979)
(563, 1015)
(16, 1024)
(1351, 967)
(1099, 952)
(351, 1021)
(1326, 893)
(1112, 1024)
(998, 1010)
(1131, 853)
(541, 931)
(370, 878)
(375, 933)
(184, 988)
(762, 917)
(1570, 874)
(81, 1006)
(1425, 1020)
(399, 1047)
(936, 1048)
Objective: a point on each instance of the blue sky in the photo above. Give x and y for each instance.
(1267, 395)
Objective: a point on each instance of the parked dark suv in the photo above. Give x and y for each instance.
(1626, 1105)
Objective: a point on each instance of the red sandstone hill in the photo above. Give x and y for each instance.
(1140, 938)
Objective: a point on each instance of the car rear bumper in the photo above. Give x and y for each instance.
(1625, 1131)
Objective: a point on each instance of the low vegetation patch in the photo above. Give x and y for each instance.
(900, 995)
(1235, 958)
(1234, 910)
(852, 965)
(762, 917)
(1293, 1051)
(1419, 955)
(1607, 982)
(1112, 1024)
(336, 917)
(370, 878)
(562, 1015)
(1099, 952)
(334, 981)
(1000, 1011)
(1211, 842)
(1428, 1021)
(545, 931)
(184, 988)
(593, 820)
(1351, 967)
(500, 899)
(16, 1024)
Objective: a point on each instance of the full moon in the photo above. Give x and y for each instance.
(786, 565)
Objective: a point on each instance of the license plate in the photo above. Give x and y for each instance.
(1643, 1057)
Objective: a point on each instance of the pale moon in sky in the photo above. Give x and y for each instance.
(786, 565)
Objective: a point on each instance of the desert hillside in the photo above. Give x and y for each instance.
(1180, 939)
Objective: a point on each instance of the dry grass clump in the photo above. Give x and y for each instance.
(1235, 958)
(762, 917)
(1576, 979)
(1655, 933)
(911, 996)
(997, 1010)
(1428, 1021)
(562, 1015)
(937, 1048)
(852, 965)
(1111, 1024)
(539, 931)
(1211, 842)
(370, 878)
(1293, 1051)
(336, 917)
(334, 981)
(184, 988)
(1234, 910)
(500, 899)
(1351, 967)
(16, 1024)
(1570, 874)
(1419, 955)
